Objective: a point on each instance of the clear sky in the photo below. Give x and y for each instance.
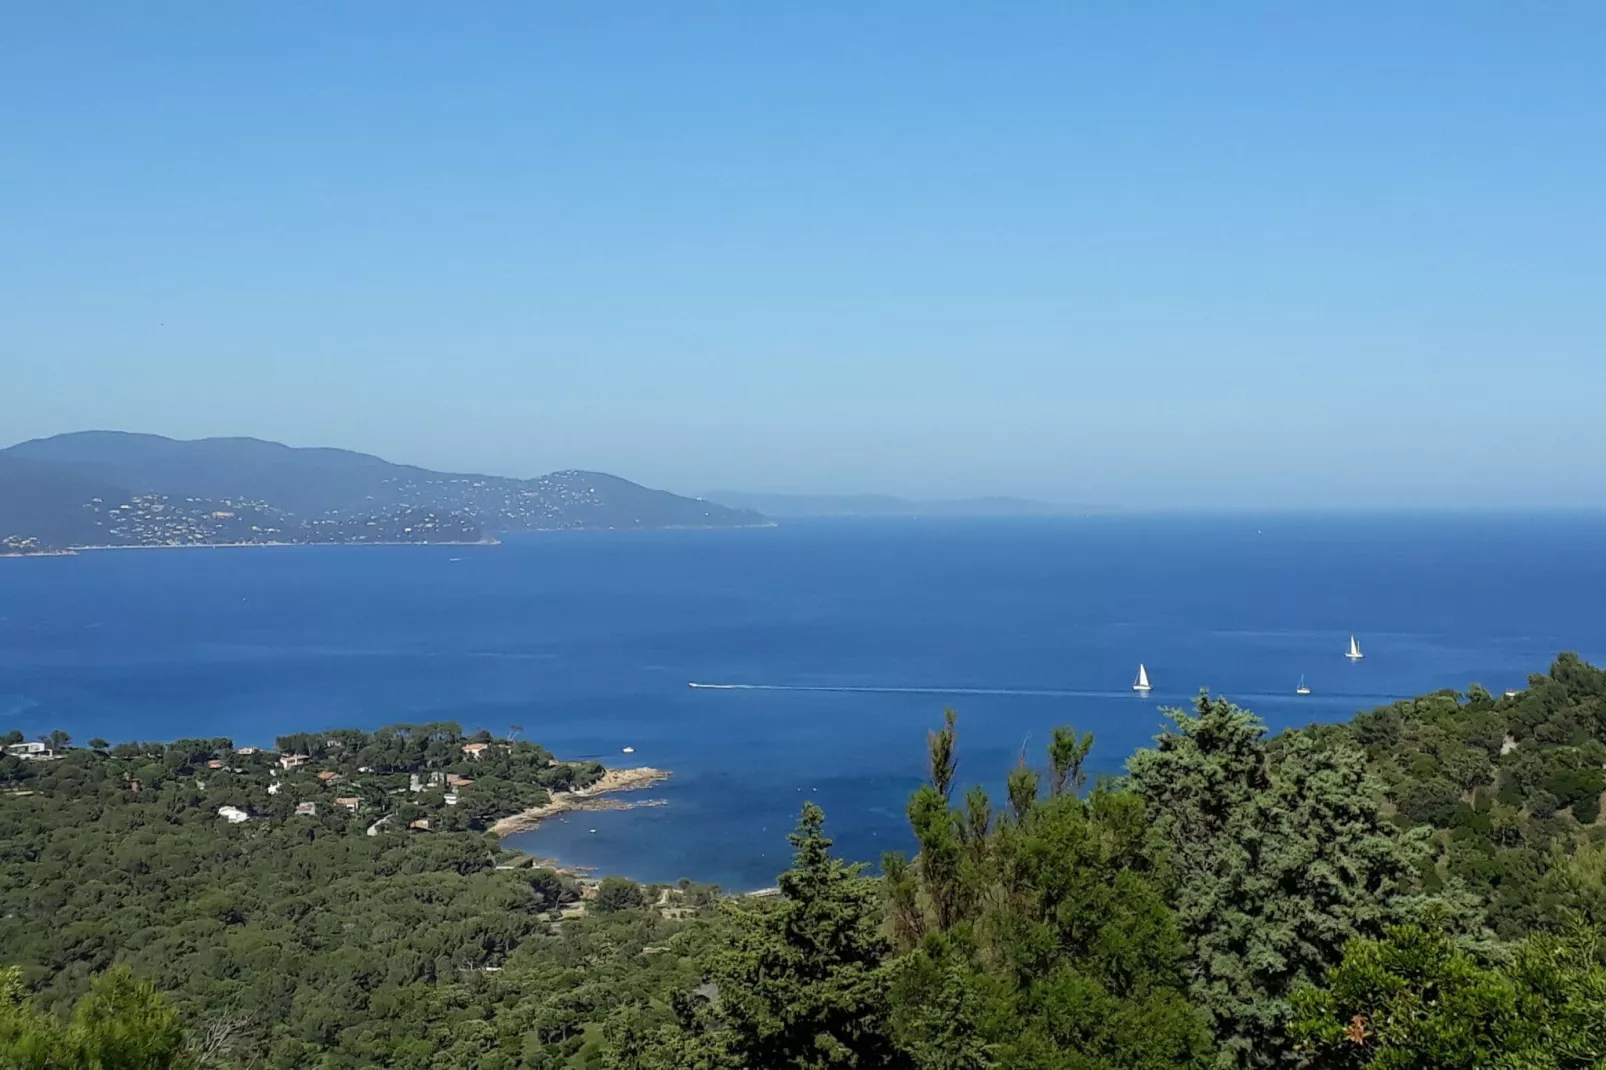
(1152, 254)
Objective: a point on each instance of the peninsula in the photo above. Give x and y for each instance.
(110, 489)
(594, 796)
(401, 778)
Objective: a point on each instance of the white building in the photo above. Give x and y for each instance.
(233, 814)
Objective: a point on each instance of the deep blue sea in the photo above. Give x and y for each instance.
(853, 636)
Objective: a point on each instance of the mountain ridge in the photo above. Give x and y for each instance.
(126, 488)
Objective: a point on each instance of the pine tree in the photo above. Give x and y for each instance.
(1272, 866)
(1035, 939)
(801, 985)
(122, 1024)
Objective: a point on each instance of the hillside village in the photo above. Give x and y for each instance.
(112, 489)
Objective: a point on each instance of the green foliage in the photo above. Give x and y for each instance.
(800, 983)
(1324, 898)
(1274, 862)
(803, 985)
(1507, 786)
(121, 1024)
(617, 893)
(303, 939)
(1416, 1000)
(1066, 754)
(1039, 939)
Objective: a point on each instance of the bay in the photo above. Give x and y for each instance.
(847, 638)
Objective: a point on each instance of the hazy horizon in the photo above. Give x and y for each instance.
(1059, 506)
(1158, 257)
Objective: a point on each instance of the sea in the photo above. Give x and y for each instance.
(830, 649)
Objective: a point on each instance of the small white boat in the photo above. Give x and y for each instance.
(1141, 684)
(1302, 689)
(1511, 692)
(630, 750)
(1354, 651)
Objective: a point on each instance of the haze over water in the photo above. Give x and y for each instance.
(848, 639)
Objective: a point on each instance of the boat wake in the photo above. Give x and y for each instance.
(869, 690)
(1025, 692)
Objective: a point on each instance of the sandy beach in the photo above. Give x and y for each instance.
(594, 797)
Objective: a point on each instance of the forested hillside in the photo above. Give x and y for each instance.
(1511, 787)
(111, 488)
(296, 934)
(1424, 886)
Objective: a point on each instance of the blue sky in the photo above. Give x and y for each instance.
(1151, 254)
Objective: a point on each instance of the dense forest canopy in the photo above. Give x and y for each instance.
(1423, 886)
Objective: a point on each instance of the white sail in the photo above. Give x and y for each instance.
(1142, 683)
(1354, 651)
(1301, 689)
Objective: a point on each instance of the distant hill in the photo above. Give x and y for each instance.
(302, 481)
(47, 501)
(871, 505)
(116, 488)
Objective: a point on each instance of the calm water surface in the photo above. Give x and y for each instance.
(850, 636)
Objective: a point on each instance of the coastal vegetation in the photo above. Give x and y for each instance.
(1423, 886)
(295, 935)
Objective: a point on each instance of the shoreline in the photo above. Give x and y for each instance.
(76, 550)
(592, 797)
(489, 540)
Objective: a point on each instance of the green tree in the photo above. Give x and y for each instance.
(1039, 939)
(801, 984)
(1066, 754)
(122, 1024)
(618, 893)
(1273, 866)
(1415, 999)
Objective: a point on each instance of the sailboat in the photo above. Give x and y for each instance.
(1354, 651)
(1141, 684)
(1301, 689)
